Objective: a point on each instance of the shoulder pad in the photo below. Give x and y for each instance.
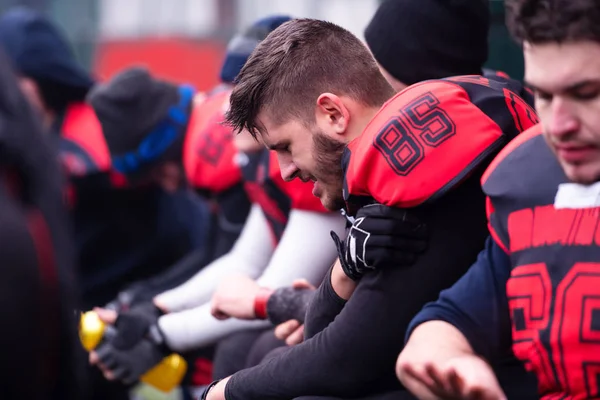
(209, 150)
(83, 148)
(430, 137)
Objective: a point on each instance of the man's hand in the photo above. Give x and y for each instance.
(464, 377)
(438, 362)
(234, 297)
(380, 236)
(292, 332)
(133, 346)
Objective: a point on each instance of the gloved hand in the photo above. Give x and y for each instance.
(134, 344)
(134, 295)
(380, 236)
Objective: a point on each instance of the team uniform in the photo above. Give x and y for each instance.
(209, 158)
(117, 243)
(426, 149)
(212, 169)
(536, 284)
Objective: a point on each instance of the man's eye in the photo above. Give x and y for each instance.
(586, 94)
(543, 95)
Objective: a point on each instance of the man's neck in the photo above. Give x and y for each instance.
(360, 119)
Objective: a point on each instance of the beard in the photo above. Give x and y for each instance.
(328, 170)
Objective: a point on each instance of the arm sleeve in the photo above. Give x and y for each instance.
(176, 275)
(194, 328)
(372, 324)
(292, 259)
(477, 304)
(305, 249)
(249, 255)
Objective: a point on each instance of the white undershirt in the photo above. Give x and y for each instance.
(304, 251)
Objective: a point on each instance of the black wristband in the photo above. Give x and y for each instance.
(212, 385)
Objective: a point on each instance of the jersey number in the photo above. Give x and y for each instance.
(421, 123)
(212, 146)
(573, 360)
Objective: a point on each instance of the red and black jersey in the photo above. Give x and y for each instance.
(554, 286)
(209, 152)
(209, 159)
(430, 137)
(276, 197)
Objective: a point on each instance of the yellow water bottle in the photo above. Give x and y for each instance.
(165, 376)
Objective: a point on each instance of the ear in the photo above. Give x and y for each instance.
(332, 115)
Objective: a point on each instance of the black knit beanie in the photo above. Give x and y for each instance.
(417, 40)
(130, 106)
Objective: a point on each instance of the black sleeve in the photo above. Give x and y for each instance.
(358, 350)
(323, 309)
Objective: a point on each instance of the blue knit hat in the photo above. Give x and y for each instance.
(38, 49)
(241, 46)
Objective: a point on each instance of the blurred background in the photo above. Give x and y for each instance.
(184, 40)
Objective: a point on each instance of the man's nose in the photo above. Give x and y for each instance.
(288, 169)
(562, 119)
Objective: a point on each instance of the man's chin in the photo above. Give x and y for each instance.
(582, 174)
(332, 204)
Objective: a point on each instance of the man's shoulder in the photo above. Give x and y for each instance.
(427, 139)
(521, 166)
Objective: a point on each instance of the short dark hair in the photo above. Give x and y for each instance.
(295, 64)
(543, 21)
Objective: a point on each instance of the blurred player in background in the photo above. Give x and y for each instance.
(123, 232)
(41, 355)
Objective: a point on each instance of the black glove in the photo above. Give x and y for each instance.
(134, 295)
(380, 236)
(135, 344)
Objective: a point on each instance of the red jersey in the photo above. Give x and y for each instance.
(553, 291)
(209, 151)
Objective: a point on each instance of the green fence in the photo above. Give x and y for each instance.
(504, 53)
(77, 19)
